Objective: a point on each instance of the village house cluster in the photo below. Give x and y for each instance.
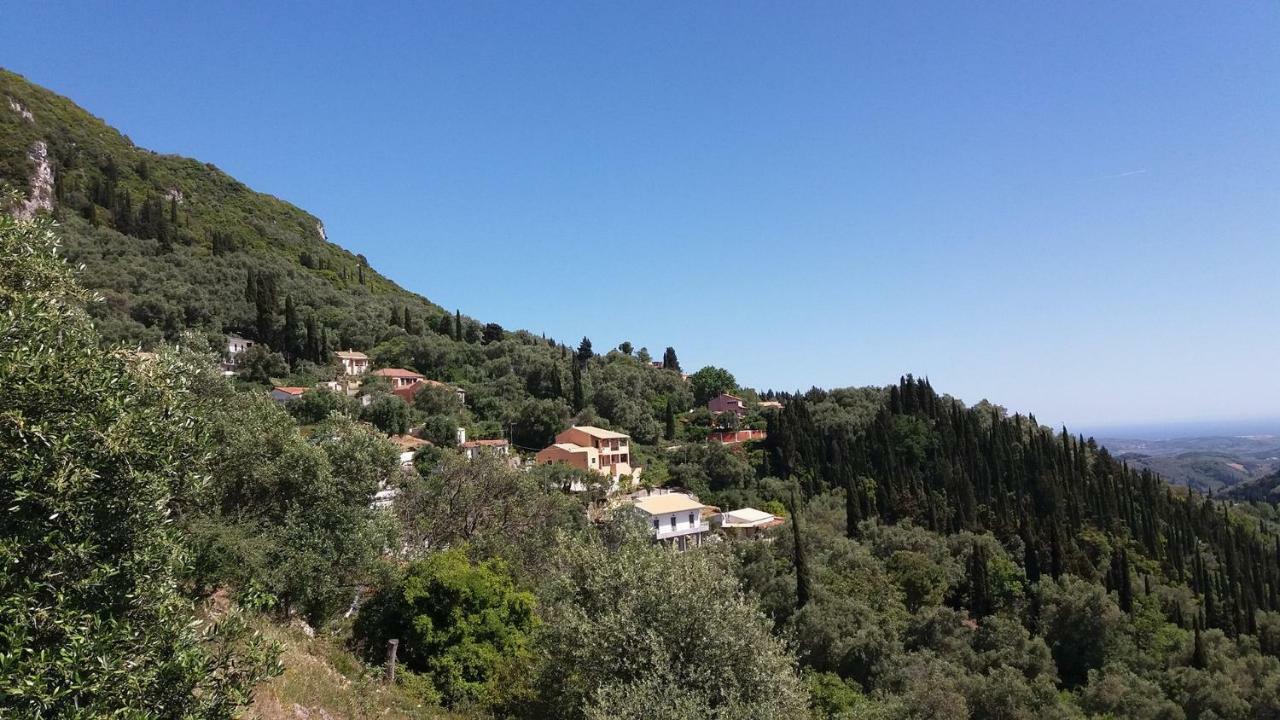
(674, 518)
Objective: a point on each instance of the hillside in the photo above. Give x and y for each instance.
(1203, 463)
(1265, 489)
(169, 240)
(925, 559)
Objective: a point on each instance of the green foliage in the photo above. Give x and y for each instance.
(710, 382)
(97, 451)
(316, 405)
(388, 413)
(287, 513)
(639, 627)
(460, 623)
(489, 506)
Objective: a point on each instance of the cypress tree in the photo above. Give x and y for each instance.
(457, 325)
(669, 426)
(670, 361)
(804, 584)
(292, 331)
(579, 399)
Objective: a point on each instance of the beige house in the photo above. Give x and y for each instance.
(353, 362)
(592, 448)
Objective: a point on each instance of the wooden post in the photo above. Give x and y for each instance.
(391, 660)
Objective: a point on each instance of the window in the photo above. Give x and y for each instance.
(655, 524)
(673, 522)
(691, 520)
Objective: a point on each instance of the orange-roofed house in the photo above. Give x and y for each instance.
(353, 362)
(592, 448)
(287, 393)
(406, 392)
(399, 377)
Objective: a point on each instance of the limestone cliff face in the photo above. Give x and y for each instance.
(40, 197)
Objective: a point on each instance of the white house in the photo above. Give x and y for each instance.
(408, 446)
(748, 522)
(473, 448)
(235, 346)
(674, 518)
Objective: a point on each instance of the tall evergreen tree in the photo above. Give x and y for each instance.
(293, 337)
(670, 361)
(804, 583)
(579, 397)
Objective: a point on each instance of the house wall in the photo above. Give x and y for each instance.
(553, 454)
(684, 525)
(612, 451)
(724, 403)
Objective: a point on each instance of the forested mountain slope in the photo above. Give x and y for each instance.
(175, 245)
(169, 240)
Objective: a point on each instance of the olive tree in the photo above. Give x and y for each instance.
(97, 450)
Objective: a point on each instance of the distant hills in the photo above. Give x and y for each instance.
(1203, 463)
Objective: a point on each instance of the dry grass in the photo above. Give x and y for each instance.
(323, 681)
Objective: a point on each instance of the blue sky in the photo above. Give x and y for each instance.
(1068, 208)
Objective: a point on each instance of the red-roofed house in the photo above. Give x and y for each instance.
(407, 392)
(399, 377)
(286, 394)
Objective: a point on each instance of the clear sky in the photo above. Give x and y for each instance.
(1069, 208)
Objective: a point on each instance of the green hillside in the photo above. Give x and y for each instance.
(169, 240)
(927, 559)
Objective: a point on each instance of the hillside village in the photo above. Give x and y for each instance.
(221, 430)
(674, 515)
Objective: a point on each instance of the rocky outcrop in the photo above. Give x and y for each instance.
(22, 111)
(40, 196)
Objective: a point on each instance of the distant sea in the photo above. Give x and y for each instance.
(1184, 429)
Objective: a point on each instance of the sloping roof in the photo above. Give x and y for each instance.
(292, 390)
(601, 433)
(750, 515)
(396, 373)
(731, 397)
(351, 355)
(669, 503)
(570, 447)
